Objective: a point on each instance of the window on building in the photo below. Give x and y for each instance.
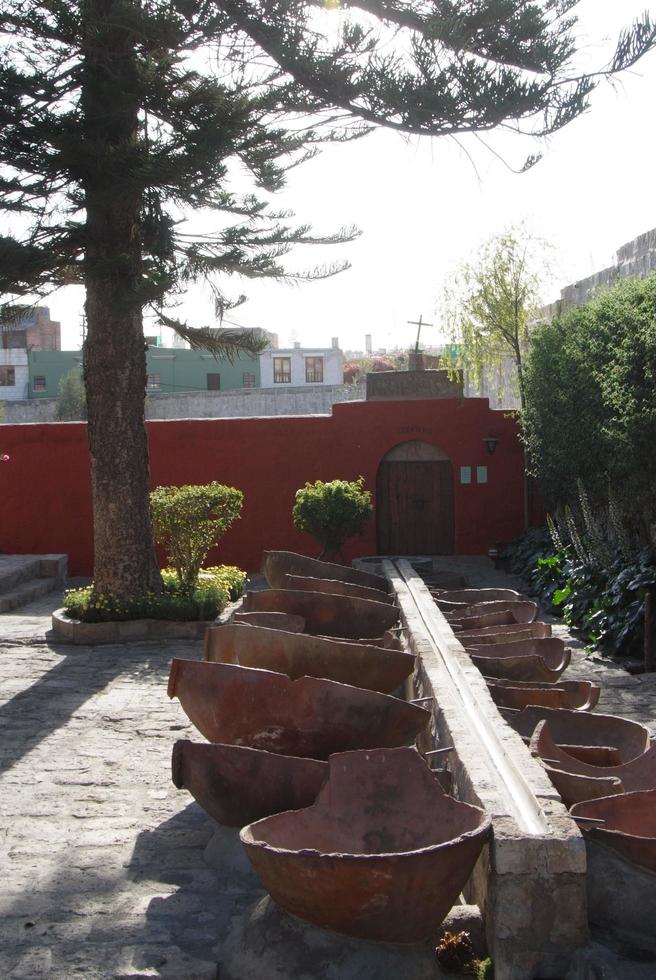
(314, 370)
(214, 382)
(282, 370)
(153, 382)
(248, 380)
(8, 377)
(39, 383)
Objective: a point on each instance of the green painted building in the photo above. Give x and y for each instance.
(170, 369)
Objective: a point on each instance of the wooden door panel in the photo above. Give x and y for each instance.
(414, 506)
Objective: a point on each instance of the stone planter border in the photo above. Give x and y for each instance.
(130, 631)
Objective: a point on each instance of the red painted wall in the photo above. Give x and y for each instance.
(45, 501)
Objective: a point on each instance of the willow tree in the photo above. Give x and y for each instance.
(491, 304)
(121, 118)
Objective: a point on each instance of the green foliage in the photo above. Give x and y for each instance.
(332, 512)
(485, 970)
(597, 585)
(490, 305)
(214, 589)
(72, 398)
(590, 416)
(190, 520)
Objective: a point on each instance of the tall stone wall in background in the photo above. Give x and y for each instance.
(241, 403)
(635, 260)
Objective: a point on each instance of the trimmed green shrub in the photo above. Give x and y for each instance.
(190, 520)
(332, 512)
(215, 588)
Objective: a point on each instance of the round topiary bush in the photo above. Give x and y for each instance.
(332, 512)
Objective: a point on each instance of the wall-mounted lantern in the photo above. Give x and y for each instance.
(490, 444)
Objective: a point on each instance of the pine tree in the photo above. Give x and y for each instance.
(119, 118)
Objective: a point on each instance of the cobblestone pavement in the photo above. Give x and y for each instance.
(102, 859)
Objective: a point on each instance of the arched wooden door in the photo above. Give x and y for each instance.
(414, 501)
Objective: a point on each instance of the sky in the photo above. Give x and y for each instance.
(424, 206)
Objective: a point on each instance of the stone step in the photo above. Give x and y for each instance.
(26, 592)
(15, 569)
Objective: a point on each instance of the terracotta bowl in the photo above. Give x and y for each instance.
(236, 785)
(573, 789)
(327, 615)
(305, 717)
(467, 597)
(333, 587)
(637, 774)
(515, 612)
(299, 655)
(531, 660)
(575, 695)
(629, 824)
(274, 620)
(390, 640)
(277, 564)
(605, 739)
(504, 633)
(382, 855)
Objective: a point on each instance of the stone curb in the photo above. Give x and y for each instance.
(70, 630)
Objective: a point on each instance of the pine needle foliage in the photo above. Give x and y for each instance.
(122, 119)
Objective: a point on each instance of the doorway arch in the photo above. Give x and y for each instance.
(414, 501)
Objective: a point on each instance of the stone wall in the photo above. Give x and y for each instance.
(240, 403)
(395, 385)
(250, 402)
(635, 260)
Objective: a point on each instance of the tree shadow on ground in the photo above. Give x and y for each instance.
(32, 715)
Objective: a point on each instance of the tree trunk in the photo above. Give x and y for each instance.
(114, 356)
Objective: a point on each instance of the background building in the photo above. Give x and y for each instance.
(33, 331)
(299, 366)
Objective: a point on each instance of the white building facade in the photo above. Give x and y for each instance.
(14, 374)
(298, 366)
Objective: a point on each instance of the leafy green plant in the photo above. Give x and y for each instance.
(332, 512)
(72, 398)
(189, 520)
(215, 588)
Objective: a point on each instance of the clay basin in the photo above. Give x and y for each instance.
(520, 611)
(573, 789)
(575, 695)
(504, 634)
(305, 717)
(390, 640)
(629, 824)
(637, 774)
(493, 614)
(333, 587)
(299, 655)
(277, 564)
(522, 660)
(236, 785)
(327, 615)
(593, 738)
(467, 597)
(382, 855)
(274, 620)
